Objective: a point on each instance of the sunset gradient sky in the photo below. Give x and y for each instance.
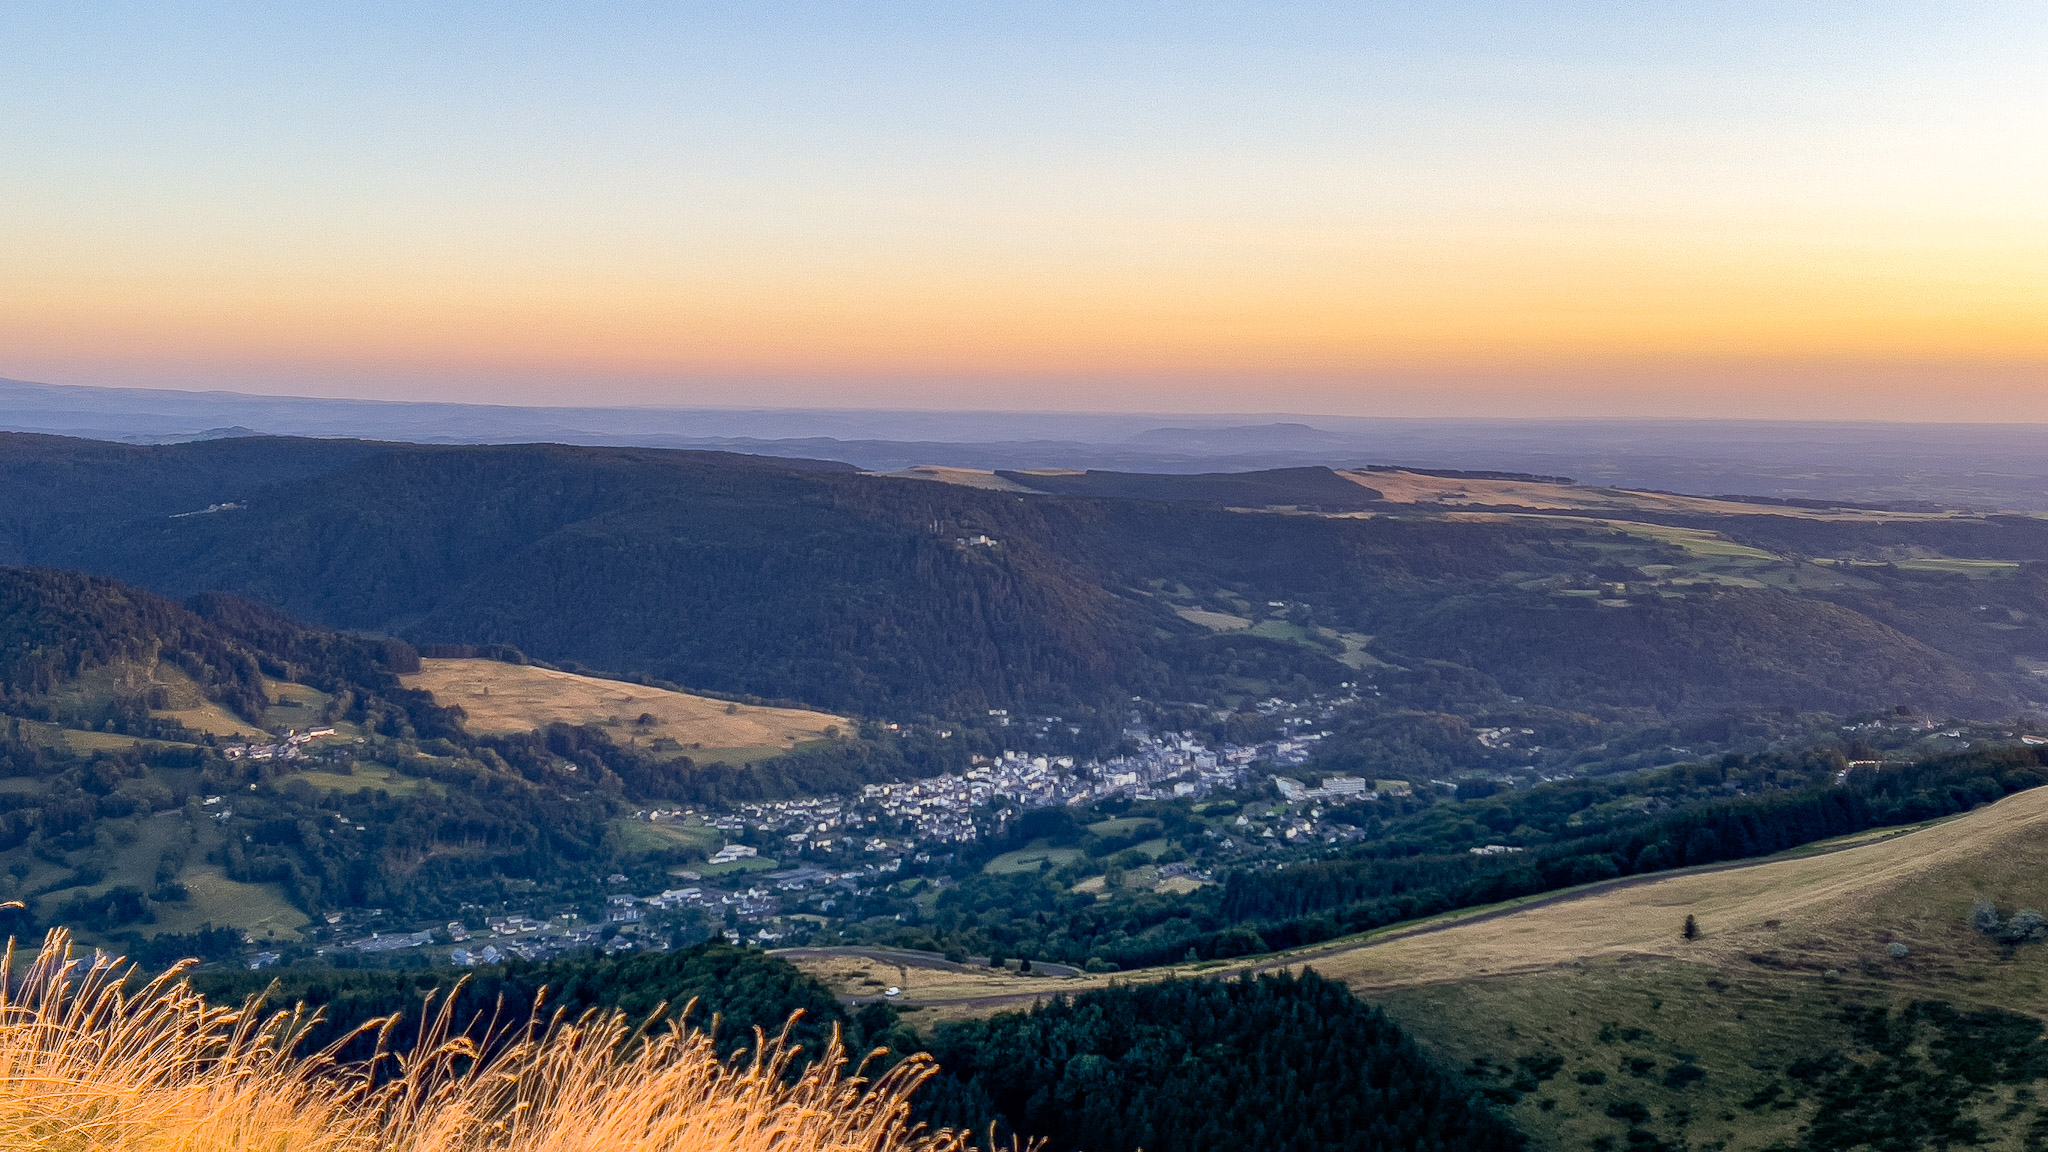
(1716, 208)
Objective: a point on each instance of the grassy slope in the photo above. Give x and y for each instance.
(1745, 999)
(503, 698)
(1603, 979)
(214, 899)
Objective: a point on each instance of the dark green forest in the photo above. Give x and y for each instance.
(806, 581)
(741, 989)
(1281, 1062)
(485, 821)
(478, 819)
(1185, 1066)
(1204, 1064)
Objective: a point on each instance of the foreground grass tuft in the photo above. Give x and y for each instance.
(93, 1059)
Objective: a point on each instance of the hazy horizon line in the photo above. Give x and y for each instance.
(1079, 413)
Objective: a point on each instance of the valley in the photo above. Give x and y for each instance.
(1473, 747)
(1132, 577)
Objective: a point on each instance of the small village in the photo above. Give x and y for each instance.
(291, 746)
(740, 894)
(896, 819)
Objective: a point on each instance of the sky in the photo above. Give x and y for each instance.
(1787, 209)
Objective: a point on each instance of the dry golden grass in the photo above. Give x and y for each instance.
(1213, 621)
(1829, 910)
(89, 1065)
(1416, 488)
(502, 698)
(937, 992)
(1825, 910)
(963, 477)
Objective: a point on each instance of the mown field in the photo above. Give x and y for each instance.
(504, 698)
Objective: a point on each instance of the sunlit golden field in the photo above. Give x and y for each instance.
(91, 1060)
(500, 698)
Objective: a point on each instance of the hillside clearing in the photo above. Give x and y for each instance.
(964, 477)
(1801, 914)
(1398, 487)
(650, 836)
(1031, 859)
(504, 698)
(366, 776)
(1213, 621)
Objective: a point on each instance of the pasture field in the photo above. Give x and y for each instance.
(1399, 487)
(1031, 857)
(735, 867)
(1354, 644)
(89, 742)
(1695, 1034)
(212, 897)
(291, 705)
(1697, 542)
(134, 865)
(298, 706)
(189, 707)
(1284, 630)
(1961, 567)
(1616, 1032)
(259, 909)
(1213, 621)
(504, 698)
(661, 836)
(183, 701)
(367, 776)
(964, 477)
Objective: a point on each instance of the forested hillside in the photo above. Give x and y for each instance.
(1205, 1066)
(807, 582)
(1185, 1066)
(58, 629)
(116, 815)
(57, 626)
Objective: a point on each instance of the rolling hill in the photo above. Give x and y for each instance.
(1631, 1027)
(201, 770)
(885, 595)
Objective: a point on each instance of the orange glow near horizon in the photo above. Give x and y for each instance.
(1607, 316)
(1856, 236)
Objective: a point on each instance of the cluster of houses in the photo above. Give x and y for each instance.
(940, 810)
(750, 903)
(290, 746)
(380, 942)
(1500, 739)
(517, 935)
(540, 948)
(1338, 788)
(887, 824)
(944, 809)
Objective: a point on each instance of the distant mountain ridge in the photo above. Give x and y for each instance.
(1987, 465)
(847, 591)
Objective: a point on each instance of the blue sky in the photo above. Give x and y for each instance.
(933, 204)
